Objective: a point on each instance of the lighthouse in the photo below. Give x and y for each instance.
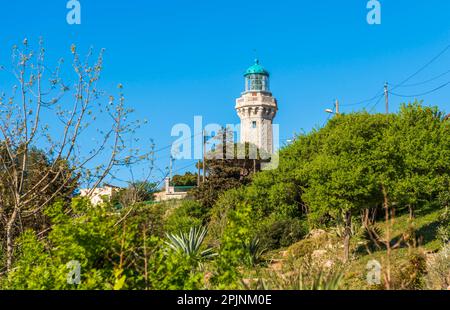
(256, 109)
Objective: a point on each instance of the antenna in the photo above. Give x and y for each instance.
(255, 53)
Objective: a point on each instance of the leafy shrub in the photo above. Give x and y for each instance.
(116, 249)
(181, 224)
(438, 270)
(193, 208)
(277, 233)
(226, 204)
(284, 197)
(316, 240)
(182, 218)
(233, 251)
(410, 275)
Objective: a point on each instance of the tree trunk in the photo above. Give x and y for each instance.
(411, 212)
(387, 242)
(10, 239)
(347, 235)
(365, 217)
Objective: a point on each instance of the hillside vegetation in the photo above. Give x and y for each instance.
(361, 203)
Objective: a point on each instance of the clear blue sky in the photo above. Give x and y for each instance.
(178, 59)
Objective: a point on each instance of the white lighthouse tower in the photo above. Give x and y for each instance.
(257, 108)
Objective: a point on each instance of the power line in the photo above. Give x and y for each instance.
(187, 166)
(326, 121)
(422, 94)
(170, 145)
(427, 81)
(364, 101)
(379, 96)
(423, 67)
(378, 101)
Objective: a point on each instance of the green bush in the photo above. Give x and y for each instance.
(226, 204)
(116, 249)
(189, 214)
(438, 270)
(192, 208)
(234, 250)
(277, 233)
(307, 246)
(410, 275)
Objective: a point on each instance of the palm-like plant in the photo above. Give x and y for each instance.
(190, 244)
(255, 251)
(373, 235)
(319, 280)
(355, 230)
(323, 281)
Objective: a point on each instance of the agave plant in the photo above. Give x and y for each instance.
(255, 251)
(323, 281)
(303, 281)
(373, 234)
(355, 230)
(190, 244)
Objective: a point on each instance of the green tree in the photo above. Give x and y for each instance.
(341, 179)
(42, 96)
(422, 138)
(58, 180)
(222, 176)
(356, 163)
(187, 179)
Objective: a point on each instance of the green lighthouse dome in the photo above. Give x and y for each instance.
(256, 69)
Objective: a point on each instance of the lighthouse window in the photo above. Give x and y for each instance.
(254, 124)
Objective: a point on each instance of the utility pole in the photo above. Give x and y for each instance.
(224, 143)
(334, 111)
(204, 154)
(198, 173)
(386, 96)
(170, 168)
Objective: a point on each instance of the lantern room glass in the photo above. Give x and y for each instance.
(257, 82)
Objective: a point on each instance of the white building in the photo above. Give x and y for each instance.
(172, 192)
(99, 194)
(257, 108)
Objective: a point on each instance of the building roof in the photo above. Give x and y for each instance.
(110, 185)
(256, 69)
